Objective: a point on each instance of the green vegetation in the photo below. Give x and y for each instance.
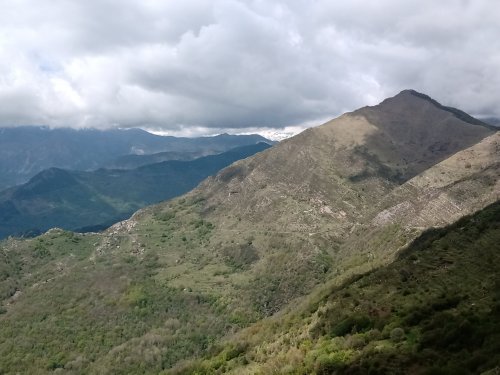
(109, 312)
(85, 307)
(435, 310)
(163, 287)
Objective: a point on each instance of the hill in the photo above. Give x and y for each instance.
(26, 151)
(259, 239)
(93, 200)
(435, 309)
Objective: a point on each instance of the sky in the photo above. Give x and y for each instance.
(196, 67)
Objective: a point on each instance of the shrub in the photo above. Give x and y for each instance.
(397, 334)
(352, 324)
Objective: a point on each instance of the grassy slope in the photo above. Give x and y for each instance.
(435, 310)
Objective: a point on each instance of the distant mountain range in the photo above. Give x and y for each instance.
(492, 121)
(26, 151)
(134, 161)
(369, 244)
(94, 200)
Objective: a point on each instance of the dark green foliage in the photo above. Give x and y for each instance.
(453, 305)
(326, 365)
(240, 257)
(330, 324)
(352, 324)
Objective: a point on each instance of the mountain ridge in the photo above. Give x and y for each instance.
(345, 141)
(84, 200)
(457, 112)
(25, 151)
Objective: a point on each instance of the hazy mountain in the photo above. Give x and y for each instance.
(494, 121)
(90, 200)
(25, 151)
(135, 161)
(276, 235)
(208, 146)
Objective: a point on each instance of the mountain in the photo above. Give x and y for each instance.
(26, 151)
(257, 249)
(330, 178)
(207, 146)
(494, 121)
(92, 200)
(135, 161)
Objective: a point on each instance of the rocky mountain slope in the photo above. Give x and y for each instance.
(77, 200)
(262, 237)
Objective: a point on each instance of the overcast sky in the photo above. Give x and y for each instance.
(200, 67)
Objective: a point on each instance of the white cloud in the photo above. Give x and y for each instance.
(196, 66)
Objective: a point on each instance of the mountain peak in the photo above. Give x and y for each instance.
(413, 92)
(409, 94)
(401, 136)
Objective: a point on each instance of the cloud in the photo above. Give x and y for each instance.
(199, 66)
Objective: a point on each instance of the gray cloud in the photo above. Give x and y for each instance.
(196, 66)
